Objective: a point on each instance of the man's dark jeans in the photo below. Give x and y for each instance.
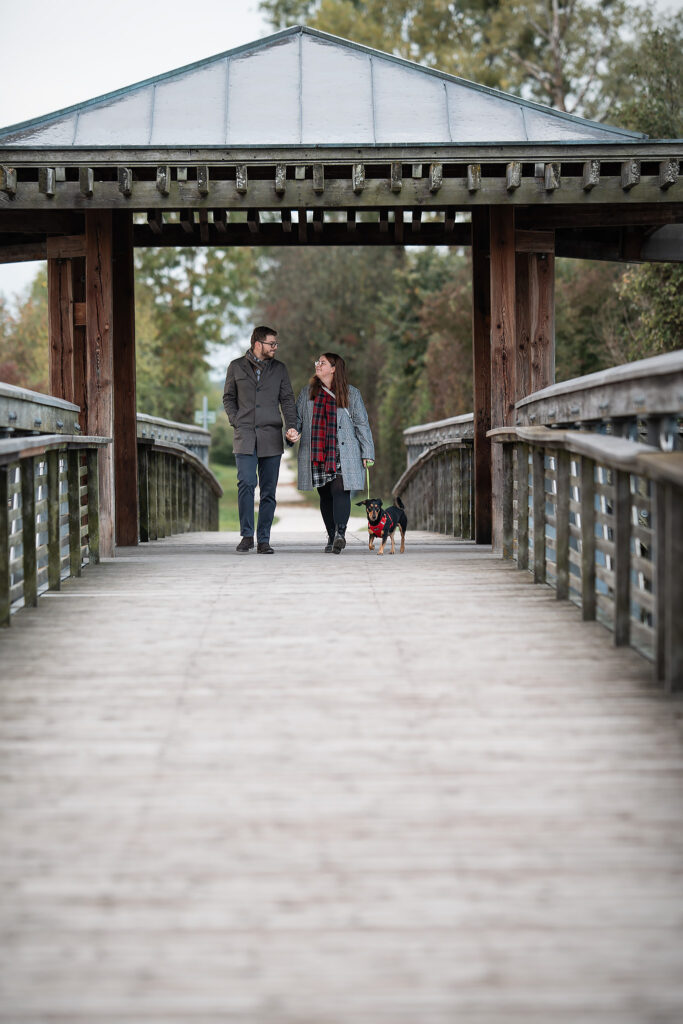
(268, 468)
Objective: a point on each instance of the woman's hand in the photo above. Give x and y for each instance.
(368, 462)
(292, 435)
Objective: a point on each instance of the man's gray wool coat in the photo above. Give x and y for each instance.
(354, 436)
(253, 407)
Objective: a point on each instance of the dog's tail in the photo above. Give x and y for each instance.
(399, 502)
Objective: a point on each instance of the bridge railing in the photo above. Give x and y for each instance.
(49, 494)
(177, 491)
(593, 501)
(438, 483)
(49, 504)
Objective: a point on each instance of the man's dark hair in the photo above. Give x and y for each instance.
(261, 333)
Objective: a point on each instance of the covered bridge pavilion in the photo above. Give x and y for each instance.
(320, 141)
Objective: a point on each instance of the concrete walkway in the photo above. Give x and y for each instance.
(309, 789)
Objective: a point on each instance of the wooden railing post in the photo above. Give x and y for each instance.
(4, 548)
(562, 463)
(622, 558)
(538, 473)
(508, 498)
(74, 488)
(587, 539)
(154, 495)
(661, 566)
(54, 555)
(143, 492)
(673, 588)
(28, 531)
(523, 506)
(93, 507)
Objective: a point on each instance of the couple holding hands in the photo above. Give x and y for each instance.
(328, 417)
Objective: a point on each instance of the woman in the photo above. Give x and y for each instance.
(336, 443)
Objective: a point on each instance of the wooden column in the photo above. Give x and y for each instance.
(503, 349)
(66, 325)
(481, 345)
(125, 422)
(99, 384)
(535, 311)
(61, 328)
(542, 333)
(80, 359)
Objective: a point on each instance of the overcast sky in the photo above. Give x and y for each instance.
(55, 54)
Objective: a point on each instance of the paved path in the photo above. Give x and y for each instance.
(309, 789)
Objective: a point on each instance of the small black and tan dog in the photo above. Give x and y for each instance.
(382, 522)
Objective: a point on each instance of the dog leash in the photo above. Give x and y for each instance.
(369, 462)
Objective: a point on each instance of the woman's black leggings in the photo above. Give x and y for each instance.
(335, 504)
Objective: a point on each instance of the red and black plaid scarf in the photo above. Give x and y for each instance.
(324, 432)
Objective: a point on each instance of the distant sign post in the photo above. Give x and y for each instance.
(202, 416)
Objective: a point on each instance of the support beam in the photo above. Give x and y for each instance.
(125, 418)
(481, 347)
(503, 348)
(542, 307)
(60, 322)
(99, 358)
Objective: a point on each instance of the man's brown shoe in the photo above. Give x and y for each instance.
(264, 548)
(246, 544)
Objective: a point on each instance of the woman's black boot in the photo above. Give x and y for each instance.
(330, 542)
(339, 542)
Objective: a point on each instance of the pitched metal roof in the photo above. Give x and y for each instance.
(304, 87)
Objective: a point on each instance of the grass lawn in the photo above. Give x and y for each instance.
(228, 518)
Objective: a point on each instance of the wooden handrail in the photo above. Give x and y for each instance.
(613, 538)
(437, 489)
(40, 544)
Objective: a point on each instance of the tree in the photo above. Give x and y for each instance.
(652, 94)
(427, 340)
(552, 51)
(190, 302)
(24, 349)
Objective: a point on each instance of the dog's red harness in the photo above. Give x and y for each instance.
(378, 528)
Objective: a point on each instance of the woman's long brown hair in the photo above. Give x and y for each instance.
(340, 382)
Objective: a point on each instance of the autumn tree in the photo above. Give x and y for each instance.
(24, 350)
(190, 302)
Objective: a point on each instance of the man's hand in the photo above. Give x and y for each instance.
(292, 435)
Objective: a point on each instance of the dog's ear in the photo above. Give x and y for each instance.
(362, 503)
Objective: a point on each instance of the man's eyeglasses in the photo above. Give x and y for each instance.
(273, 344)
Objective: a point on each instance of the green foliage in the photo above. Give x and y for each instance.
(24, 349)
(188, 303)
(651, 78)
(653, 291)
(222, 441)
(588, 316)
(427, 340)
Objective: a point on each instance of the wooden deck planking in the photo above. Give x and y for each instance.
(317, 790)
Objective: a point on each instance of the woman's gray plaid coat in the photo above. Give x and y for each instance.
(353, 433)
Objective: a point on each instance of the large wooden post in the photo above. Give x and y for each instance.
(60, 304)
(481, 349)
(66, 329)
(125, 422)
(503, 349)
(542, 302)
(99, 385)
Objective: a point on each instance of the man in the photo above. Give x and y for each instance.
(257, 386)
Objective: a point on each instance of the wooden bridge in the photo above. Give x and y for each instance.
(357, 789)
(349, 790)
(435, 788)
